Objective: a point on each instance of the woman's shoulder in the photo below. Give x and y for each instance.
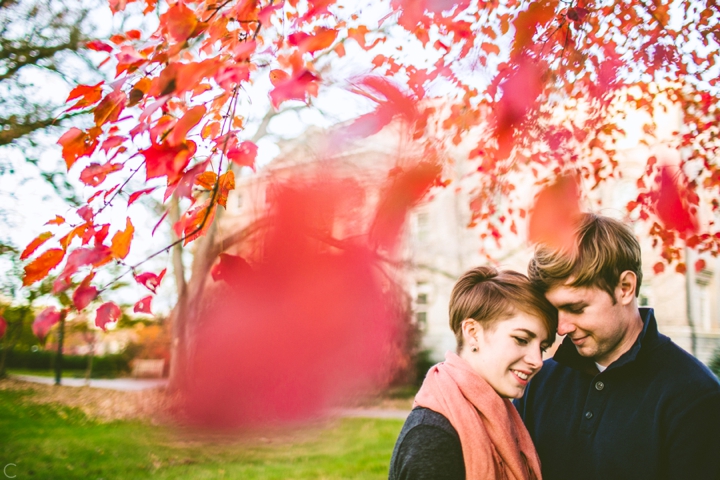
(428, 448)
(421, 416)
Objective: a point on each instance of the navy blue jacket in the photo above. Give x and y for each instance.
(652, 414)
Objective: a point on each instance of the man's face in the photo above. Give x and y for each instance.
(596, 325)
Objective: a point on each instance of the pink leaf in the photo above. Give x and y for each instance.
(43, 322)
(108, 312)
(135, 195)
(143, 306)
(553, 218)
(244, 154)
(150, 280)
(84, 294)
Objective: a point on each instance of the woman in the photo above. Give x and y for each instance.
(463, 425)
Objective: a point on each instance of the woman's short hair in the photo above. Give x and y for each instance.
(487, 295)
(604, 248)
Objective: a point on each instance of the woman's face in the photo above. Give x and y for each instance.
(509, 353)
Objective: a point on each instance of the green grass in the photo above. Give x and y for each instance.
(56, 442)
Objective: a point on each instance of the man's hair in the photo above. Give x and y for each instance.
(487, 295)
(603, 249)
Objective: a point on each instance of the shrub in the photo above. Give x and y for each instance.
(112, 365)
(715, 362)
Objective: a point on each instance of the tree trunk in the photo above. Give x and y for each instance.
(190, 293)
(88, 370)
(59, 356)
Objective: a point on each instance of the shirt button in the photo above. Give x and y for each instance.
(599, 386)
(588, 415)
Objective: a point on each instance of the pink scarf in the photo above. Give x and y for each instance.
(495, 443)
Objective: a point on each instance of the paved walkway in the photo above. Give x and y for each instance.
(136, 384)
(375, 413)
(122, 384)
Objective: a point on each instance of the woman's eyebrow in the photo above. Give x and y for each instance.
(529, 333)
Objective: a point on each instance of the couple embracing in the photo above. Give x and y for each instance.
(618, 400)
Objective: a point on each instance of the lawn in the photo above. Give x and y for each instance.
(58, 442)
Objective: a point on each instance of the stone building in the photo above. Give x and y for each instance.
(439, 246)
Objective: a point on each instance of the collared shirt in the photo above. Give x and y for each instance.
(654, 413)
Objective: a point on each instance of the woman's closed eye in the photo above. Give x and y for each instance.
(521, 340)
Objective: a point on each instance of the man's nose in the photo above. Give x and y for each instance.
(565, 324)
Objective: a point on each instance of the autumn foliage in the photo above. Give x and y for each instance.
(531, 88)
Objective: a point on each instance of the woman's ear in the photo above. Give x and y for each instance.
(470, 330)
(625, 291)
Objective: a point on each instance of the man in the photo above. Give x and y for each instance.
(618, 400)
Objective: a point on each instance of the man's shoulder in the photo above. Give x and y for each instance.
(676, 366)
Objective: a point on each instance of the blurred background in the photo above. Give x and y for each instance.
(289, 339)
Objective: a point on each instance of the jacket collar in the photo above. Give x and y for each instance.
(567, 354)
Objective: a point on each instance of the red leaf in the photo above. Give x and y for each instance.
(681, 268)
(165, 160)
(227, 183)
(553, 218)
(95, 173)
(577, 14)
(43, 322)
(206, 180)
(180, 22)
(121, 241)
(135, 195)
(101, 235)
(84, 293)
(191, 118)
(143, 306)
(109, 109)
(323, 38)
(86, 213)
(527, 22)
(88, 94)
(671, 208)
(195, 222)
(150, 280)
(490, 48)
(58, 220)
(99, 46)
(405, 189)
(41, 266)
(244, 154)
(75, 144)
(32, 246)
(3, 327)
(112, 142)
(520, 92)
(231, 75)
(108, 312)
(296, 87)
(658, 268)
(278, 76)
(80, 257)
(699, 265)
(229, 268)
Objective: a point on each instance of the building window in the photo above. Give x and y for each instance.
(704, 308)
(422, 226)
(643, 300)
(239, 201)
(421, 305)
